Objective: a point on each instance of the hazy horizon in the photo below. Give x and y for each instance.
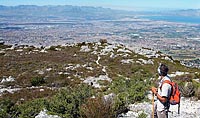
(113, 4)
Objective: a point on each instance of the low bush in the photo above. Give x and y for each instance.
(142, 115)
(187, 85)
(29, 109)
(97, 108)
(135, 89)
(52, 48)
(197, 93)
(32, 108)
(103, 41)
(68, 101)
(101, 107)
(6, 108)
(66, 104)
(37, 81)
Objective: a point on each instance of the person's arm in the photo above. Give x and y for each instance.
(161, 98)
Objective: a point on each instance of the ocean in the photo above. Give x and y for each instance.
(181, 19)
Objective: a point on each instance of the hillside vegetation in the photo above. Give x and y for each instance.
(83, 80)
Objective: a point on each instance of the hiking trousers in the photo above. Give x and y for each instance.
(161, 114)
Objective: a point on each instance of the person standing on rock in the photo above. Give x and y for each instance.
(161, 106)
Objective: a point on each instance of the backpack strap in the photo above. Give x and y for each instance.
(166, 81)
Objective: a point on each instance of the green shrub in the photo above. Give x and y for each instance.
(119, 85)
(52, 48)
(9, 109)
(68, 101)
(32, 108)
(37, 81)
(6, 108)
(142, 115)
(134, 88)
(196, 88)
(120, 104)
(128, 91)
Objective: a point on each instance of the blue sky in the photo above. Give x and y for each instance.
(116, 4)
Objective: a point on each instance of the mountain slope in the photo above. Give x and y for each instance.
(29, 73)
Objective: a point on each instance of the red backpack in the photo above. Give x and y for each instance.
(175, 95)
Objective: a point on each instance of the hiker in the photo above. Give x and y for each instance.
(161, 106)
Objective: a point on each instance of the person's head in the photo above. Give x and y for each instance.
(163, 70)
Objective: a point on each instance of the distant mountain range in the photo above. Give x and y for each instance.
(33, 13)
(67, 12)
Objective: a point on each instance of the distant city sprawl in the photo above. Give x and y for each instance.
(77, 24)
